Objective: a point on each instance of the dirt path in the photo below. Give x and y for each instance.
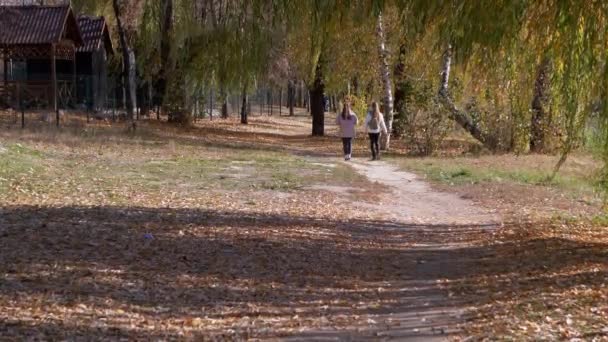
(437, 231)
(412, 200)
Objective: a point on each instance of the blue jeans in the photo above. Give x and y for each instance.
(373, 142)
(347, 145)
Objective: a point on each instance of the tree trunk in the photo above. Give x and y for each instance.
(281, 101)
(225, 114)
(386, 83)
(455, 114)
(224, 99)
(144, 102)
(399, 102)
(291, 96)
(399, 74)
(540, 104)
(123, 94)
(211, 104)
(166, 24)
(244, 105)
(308, 107)
(126, 61)
(317, 93)
(132, 80)
(270, 102)
(300, 95)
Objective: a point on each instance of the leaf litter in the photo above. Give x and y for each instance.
(94, 248)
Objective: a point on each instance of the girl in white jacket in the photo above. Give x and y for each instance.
(374, 125)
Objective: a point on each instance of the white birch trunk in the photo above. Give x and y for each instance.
(461, 118)
(386, 82)
(132, 80)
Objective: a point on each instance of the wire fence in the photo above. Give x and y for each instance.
(104, 98)
(268, 101)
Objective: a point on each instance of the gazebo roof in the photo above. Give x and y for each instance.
(94, 33)
(38, 25)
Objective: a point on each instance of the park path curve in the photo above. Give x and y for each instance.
(415, 201)
(439, 227)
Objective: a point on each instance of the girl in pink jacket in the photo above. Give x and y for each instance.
(347, 121)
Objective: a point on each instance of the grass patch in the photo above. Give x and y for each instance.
(109, 172)
(577, 177)
(17, 164)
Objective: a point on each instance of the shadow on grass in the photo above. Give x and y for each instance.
(227, 265)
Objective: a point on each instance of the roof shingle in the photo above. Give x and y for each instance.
(22, 25)
(93, 30)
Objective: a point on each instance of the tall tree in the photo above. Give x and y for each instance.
(540, 108)
(317, 96)
(128, 63)
(165, 29)
(461, 118)
(244, 104)
(386, 82)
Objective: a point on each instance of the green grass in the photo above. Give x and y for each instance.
(466, 175)
(463, 171)
(117, 173)
(17, 164)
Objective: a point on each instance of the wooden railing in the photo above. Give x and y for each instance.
(37, 94)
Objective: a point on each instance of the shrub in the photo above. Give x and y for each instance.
(420, 121)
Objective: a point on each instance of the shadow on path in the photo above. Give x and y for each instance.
(324, 278)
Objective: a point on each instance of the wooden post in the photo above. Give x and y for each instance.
(211, 104)
(20, 101)
(74, 87)
(265, 98)
(281, 101)
(114, 107)
(54, 82)
(5, 69)
(299, 95)
(271, 103)
(261, 99)
(308, 102)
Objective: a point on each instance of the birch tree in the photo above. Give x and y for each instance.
(386, 83)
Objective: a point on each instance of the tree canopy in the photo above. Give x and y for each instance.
(498, 49)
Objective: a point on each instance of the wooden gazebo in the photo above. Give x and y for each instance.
(92, 61)
(38, 55)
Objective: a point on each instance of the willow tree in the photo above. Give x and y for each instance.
(571, 34)
(330, 43)
(166, 31)
(307, 43)
(254, 51)
(540, 108)
(164, 46)
(231, 47)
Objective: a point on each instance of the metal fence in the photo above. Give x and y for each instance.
(269, 101)
(105, 99)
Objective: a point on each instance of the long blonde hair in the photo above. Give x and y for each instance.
(376, 110)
